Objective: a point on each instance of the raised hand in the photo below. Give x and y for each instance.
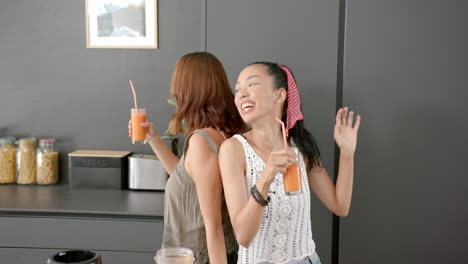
(345, 133)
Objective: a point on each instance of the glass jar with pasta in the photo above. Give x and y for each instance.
(7, 160)
(26, 161)
(47, 162)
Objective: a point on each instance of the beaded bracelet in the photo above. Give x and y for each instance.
(258, 201)
(257, 196)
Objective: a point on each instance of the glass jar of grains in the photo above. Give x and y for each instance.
(7, 160)
(26, 161)
(47, 162)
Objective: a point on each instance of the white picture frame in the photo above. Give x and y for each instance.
(121, 24)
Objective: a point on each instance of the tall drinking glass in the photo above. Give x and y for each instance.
(292, 178)
(138, 116)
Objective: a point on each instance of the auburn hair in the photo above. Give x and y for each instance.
(203, 97)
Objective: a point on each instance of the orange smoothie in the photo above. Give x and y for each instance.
(138, 132)
(292, 180)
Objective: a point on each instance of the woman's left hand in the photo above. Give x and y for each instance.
(345, 133)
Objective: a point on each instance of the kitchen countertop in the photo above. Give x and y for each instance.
(63, 201)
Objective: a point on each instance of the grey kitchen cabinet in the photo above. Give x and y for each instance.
(405, 72)
(25, 239)
(102, 234)
(123, 226)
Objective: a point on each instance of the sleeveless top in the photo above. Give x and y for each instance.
(285, 233)
(183, 220)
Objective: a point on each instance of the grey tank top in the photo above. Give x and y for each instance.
(183, 221)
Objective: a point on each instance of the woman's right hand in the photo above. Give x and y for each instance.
(150, 133)
(279, 162)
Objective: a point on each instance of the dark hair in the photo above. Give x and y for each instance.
(299, 134)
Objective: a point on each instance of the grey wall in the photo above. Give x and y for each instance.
(405, 71)
(51, 85)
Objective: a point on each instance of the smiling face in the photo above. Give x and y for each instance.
(256, 95)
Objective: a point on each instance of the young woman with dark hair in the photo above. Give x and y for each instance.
(270, 225)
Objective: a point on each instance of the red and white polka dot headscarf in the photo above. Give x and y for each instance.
(293, 113)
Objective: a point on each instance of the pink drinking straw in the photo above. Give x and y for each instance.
(134, 95)
(284, 132)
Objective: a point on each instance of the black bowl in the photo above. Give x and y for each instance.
(75, 256)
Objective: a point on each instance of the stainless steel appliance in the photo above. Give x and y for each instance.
(145, 172)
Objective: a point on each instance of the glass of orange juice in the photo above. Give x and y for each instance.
(292, 178)
(138, 116)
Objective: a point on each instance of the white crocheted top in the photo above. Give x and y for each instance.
(285, 233)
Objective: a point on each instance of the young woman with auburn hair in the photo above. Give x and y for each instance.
(195, 213)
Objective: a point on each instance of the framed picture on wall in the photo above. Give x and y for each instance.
(121, 24)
